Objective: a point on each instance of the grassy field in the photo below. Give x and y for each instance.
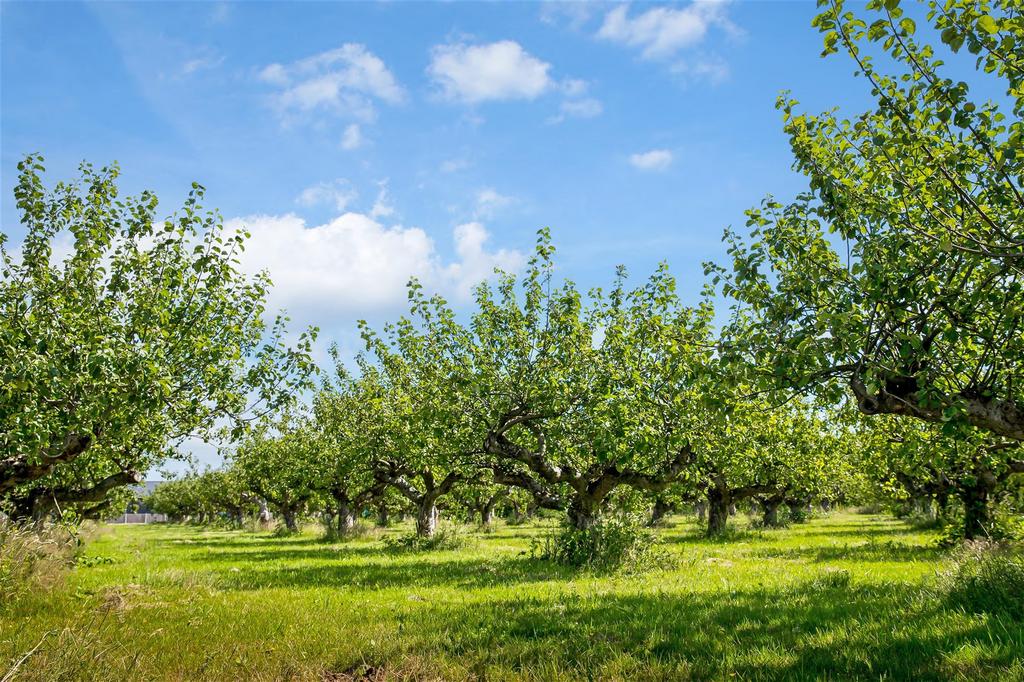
(843, 597)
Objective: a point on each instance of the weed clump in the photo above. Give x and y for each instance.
(612, 544)
(832, 579)
(31, 557)
(444, 538)
(986, 577)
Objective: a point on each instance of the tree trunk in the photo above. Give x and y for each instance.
(346, 519)
(718, 511)
(382, 516)
(797, 511)
(976, 512)
(265, 517)
(659, 511)
(517, 514)
(583, 512)
(771, 513)
(942, 505)
(426, 518)
(288, 514)
(700, 508)
(487, 513)
(732, 509)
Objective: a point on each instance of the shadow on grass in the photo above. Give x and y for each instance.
(804, 632)
(870, 551)
(387, 574)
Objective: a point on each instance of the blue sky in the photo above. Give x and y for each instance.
(364, 143)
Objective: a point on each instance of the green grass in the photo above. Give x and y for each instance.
(845, 597)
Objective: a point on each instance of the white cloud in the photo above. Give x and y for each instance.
(337, 193)
(661, 32)
(574, 87)
(275, 74)
(201, 63)
(712, 69)
(352, 138)
(578, 108)
(496, 71)
(382, 207)
(354, 264)
(347, 79)
(575, 13)
(489, 201)
(654, 160)
(475, 263)
(454, 165)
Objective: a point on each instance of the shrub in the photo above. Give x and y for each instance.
(32, 557)
(614, 543)
(985, 577)
(798, 514)
(444, 538)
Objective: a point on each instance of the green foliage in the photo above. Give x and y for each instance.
(614, 543)
(445, 538)
(986, 578)
(896, 278)
(145, 333)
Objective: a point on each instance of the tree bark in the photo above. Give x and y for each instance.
(346, 519)
(659, 511)
(900, 396)
(583, 512)
(426, 518)
(700, 509)
(264, 517)
(976, 512)
(289, 516)
(382, 516)
(771, 512)
(797, 511)
(718, 511)
(487, 510)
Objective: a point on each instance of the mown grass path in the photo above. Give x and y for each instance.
(844, 597)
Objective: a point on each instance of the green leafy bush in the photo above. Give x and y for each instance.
(614, 543)
(444, 538)
(985, 577)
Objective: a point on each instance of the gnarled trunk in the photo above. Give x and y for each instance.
(583, 512)
(487, 511)
(382, 516)
(718, 511)
(346, 518)
(290, 515)
(771, 512)
(659, 511)
(798, 510)
(426, 518)
(265, 517)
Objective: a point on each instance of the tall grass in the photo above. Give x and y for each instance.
(33, 557)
